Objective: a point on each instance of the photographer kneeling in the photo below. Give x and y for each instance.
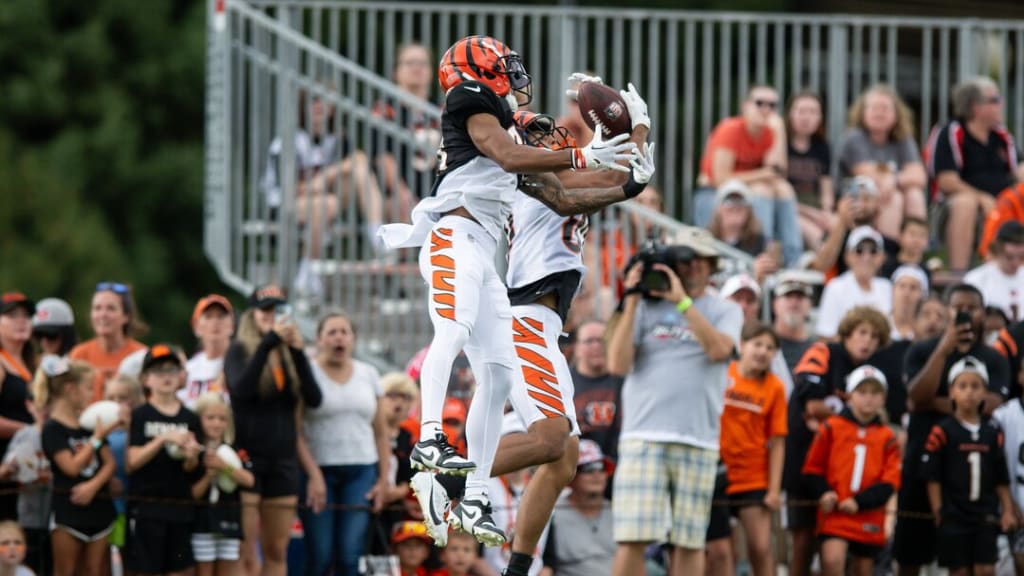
(672, 341)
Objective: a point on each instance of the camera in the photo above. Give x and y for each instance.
(283, 314)
(654, 252)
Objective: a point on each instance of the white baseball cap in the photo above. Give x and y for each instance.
(740, 282)
(732, 188)
(861, 234)
(968, 364)
(864, 374)
(911, 271)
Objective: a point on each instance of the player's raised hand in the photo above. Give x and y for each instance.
(577, 78)
(636, 106)
(604, 155)
(642, 164)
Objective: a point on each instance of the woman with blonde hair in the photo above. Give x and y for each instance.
(269, 379)
(880, 145)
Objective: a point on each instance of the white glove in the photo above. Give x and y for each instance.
(577, 78)
(604, 155)
(643, 164)
(636, 106)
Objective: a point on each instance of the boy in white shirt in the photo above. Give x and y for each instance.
(1001, 279)
(859, 285)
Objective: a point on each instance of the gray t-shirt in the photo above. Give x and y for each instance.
(857, 148)
(578, 545)
(674, 393)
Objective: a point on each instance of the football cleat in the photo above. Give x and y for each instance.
(474, 516)
(435, 505)
(439, 456)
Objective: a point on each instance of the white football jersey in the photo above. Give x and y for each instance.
(541, 242)
(1011, 418)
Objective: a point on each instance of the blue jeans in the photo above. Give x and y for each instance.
(703, 206)
(780, 222)
(342, 530)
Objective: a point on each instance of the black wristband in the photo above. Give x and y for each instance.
(632, 188)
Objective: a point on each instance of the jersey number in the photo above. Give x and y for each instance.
(860, 454)
(974, 462)
(442, 157)
(574, 231)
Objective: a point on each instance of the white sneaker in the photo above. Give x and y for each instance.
(434, 503)
(474, 516)
(438, 455)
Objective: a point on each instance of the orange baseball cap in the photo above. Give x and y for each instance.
(454, 409)
(210, 300)
(408, 529)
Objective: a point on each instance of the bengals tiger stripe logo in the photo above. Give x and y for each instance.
(442, 279)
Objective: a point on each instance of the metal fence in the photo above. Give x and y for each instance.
(294, 83)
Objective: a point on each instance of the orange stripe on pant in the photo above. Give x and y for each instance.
(541, 382)
(442, 279)
(523, 335)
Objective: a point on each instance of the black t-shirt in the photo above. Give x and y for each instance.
(1011, 345)
(99, 513)
(805, 170)
(969, 465)
(465, 100)
(922, 422)
(820, 375)
(13, 394)
(793, 351)
(163, 476)
(415, 166)
(221, 515)
(597, 409)
(890, 361)
(986, 165)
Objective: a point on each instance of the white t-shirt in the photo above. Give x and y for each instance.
(202, 374)
(1011, 419)
(1006, 292)
(843, 293)
(340, 431)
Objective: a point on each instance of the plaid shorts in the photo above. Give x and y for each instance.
(663, 492)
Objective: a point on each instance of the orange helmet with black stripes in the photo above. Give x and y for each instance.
(489, 61)
(540, 130)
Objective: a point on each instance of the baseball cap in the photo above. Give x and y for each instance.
(453, 409)
(206, 302)
(52, 313)
(860, 185)
(788, 282)
(160, 353)
(132, 363)
(698, 239)
(267, 296)
(590, 452)
(863, 234)
(408, 529)
(865, 373)
(740, 282)
(11, 300)
(968, 364)
(1010, 231)
(732, 188)
(911, 271)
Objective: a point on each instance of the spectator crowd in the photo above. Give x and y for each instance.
(840, 383)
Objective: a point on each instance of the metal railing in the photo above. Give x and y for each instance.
(694, 67)
(291, 80)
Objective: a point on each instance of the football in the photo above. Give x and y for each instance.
(230, 457)
(600, 103)
(104, 411)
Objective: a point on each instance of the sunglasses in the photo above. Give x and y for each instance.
(115, 287)
(591, 467)
(861, 250)
(769, 104)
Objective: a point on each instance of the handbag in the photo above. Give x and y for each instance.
(378, 564)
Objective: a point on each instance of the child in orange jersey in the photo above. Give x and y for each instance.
(853, 468)
(753, 430)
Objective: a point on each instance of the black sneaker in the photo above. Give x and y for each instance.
(474, 516)
(439, 456)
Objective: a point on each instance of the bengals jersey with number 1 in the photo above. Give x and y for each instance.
(860, 461)
(968, 464)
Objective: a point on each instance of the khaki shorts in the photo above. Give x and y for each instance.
(663, 492)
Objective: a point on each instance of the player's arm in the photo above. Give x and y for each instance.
(603, 178)
(494, 142)
(569, 201)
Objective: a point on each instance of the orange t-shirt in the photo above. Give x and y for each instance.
(755, 410)
(104, 364)
(732, 135)
(852, 458)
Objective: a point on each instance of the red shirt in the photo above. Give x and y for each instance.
(731, 134)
